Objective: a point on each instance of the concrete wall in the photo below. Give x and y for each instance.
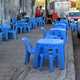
(9, 8)
(28, 7)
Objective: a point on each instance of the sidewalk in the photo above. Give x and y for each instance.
(12, 67)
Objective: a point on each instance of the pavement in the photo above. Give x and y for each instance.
(12, 59)
(76, 43)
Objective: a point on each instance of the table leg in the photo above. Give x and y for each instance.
(61, 58)
(27, 57)
(41, 61)
(51, 66)
(35, 63)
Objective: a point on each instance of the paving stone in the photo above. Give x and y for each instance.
(12, 58)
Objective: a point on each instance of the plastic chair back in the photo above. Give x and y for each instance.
(27, 44)
(40, 21)
(73, 26)
(5, 27)
(13, 20)
(44, 31)
(61, 34)
(61, 25)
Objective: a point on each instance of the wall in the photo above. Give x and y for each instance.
(9, 8)
(28, 7)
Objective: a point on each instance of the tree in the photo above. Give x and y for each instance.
(73, 4)
(78, 4)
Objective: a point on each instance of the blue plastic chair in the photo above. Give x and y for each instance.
(74, 26)
(29, 26)
(0, 33)
(43, 31)
(66, 22)
(78, 29)
(5, 28)
(1, 36)
(28, 49)
(33, 23)
(24, 26)
(61, 25)
(12, 34)
(60, 33)
(7, 31)
(47, 34)
(14, 20)
(26, 19)
(40, 21)
(19, 26)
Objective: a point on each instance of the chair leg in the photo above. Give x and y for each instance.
(35, 63)
(41, 61)
(25, 30)
(56, 62)
(27, 58)
(29, 29)
(51, 66)
(17, 30)
(15, 35)
(1, 37)
(6, 35)
(21, 29)
(61, 59)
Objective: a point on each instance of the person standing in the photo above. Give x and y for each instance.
(41, 11)
(37, 12)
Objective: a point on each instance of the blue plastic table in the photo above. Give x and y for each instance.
(50, 47)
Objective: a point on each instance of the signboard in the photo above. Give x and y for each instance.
(62, 7)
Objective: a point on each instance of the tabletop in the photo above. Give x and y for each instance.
(7, 26)
(61, 29)
(50, 41)
(49, 46)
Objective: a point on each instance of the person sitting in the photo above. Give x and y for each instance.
(55, 16)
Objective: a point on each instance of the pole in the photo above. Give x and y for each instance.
(46, 7)
(4, 3)
(23, 5)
